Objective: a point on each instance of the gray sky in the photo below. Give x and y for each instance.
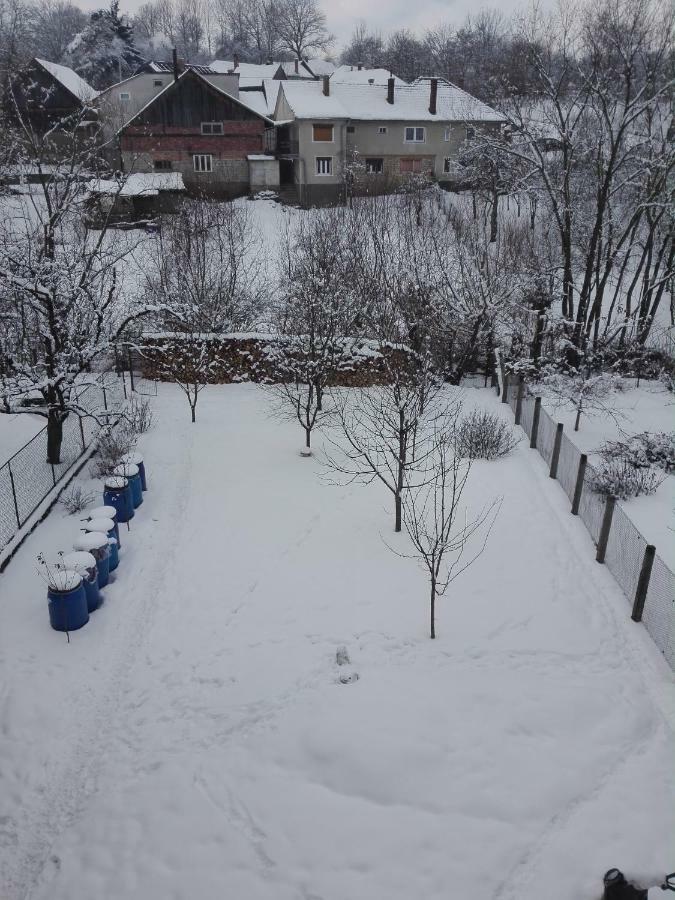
(382, 15)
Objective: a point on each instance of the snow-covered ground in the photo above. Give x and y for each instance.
(194, 741)
(17, 430)
(649, 407)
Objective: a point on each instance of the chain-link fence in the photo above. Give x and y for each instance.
(26, 478)
(640, 572)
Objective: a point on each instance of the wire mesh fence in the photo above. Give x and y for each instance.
(26, 478)
(624, 553)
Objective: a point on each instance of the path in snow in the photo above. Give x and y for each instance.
(193, 740)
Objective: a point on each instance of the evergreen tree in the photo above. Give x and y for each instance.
(104, 51)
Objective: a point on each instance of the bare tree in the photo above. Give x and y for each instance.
(301, 27)
(438, 528)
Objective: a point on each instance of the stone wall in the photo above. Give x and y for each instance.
(259, 358)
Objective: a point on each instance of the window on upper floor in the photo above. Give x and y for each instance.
(125, 95)
(350, 129)
(322, 134)
(212, 127)
(382, 129)
(157, 82)
(202, 162)
(375, 166)
(324, 165)
(415, 135)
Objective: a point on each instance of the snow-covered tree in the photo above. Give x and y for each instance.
(104, 51)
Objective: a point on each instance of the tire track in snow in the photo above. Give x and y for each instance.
(64, 797)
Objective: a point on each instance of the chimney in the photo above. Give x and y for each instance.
(235, 61)
(326, 85)
(296, 65)
(433, 95)
(390, 91)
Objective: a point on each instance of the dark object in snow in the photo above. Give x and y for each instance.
(617, 888)
(349, 679)
(341, 656)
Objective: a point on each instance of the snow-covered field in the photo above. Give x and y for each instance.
(649, 407)
(194, 741)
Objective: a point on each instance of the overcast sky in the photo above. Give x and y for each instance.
(382, 15)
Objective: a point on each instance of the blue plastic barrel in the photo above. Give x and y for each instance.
(106, 512)
(130, 472)
(84, 564)
(136, 459)
(113, 554)
(67, 601)
(117, 493)
(96, 543)
(107, 527)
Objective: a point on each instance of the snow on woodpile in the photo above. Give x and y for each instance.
(369, 102)
(242, 356)
(146, 184)
(70, 80)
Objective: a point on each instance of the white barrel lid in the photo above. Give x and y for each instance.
(115, 482)
(98, 525)
(135, 458)
(103, 512)
(112, 541)
(79, 561)
(91, 540)
(128, 470)
(64, 579)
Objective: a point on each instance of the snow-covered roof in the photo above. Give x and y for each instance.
(251, 71)
(263, 100)
(368, 102)
(146, 184)
(161, 66)
(70, 80)
(354, 75)
(320, 66)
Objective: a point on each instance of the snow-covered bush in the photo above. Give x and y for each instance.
(113, 444)
(620, 478)
(644, 450)
(484, 435)
(139, 416)
(76, 499)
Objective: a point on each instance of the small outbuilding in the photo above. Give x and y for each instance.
(133, 201)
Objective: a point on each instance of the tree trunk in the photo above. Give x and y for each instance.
(193, 411)
(54, 436)
(398, 512)
(493, 217)
(578, 418)
(308, 438)
(433, 607)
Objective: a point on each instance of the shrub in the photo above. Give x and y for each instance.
(76, 499)
(644, 450)
(618, 477)
(139, 416)
(113, 444)
(484, 435)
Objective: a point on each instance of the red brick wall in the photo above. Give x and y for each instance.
(239, 139)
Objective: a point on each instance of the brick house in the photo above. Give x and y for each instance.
(213, 138)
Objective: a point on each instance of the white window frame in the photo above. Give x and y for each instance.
(125, 95)
(202, 162)
(447, 163)
(210, 128)
(326, 125)
(416, 129)
(382, 129)
(328, 159)
(447, 134)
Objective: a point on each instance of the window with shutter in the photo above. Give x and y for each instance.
(322, 133)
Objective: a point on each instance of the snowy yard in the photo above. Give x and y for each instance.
(194, 741)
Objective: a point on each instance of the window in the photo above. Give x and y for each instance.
(162, 165)
(203, 162)
(157, 82)
(212, 127)
(374, 166)
(322, 133)
(409, 164)
(382, 129)
(470, 133)
(415, 135)
(125, 95)
(350, 129)
(324, 165)
(447, 164)
(447, 133)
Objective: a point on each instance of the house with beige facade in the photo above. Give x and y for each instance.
(391, 131)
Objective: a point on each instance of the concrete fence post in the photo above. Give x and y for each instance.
(519, 400)
(505, 392)
(556, 450)
(643, 583)
(579, 486)
(605, 528)
(535, 423)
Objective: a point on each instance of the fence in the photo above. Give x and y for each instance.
(27, 478)
(641, 574)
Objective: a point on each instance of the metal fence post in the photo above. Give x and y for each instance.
(519, 400)
(105, 396)
(643, 583)
(131, 370)
(16, 505)
(535, 423)
(84, 445)
(556, 450)
(605, 528)
(579, 486)
(505, 393)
